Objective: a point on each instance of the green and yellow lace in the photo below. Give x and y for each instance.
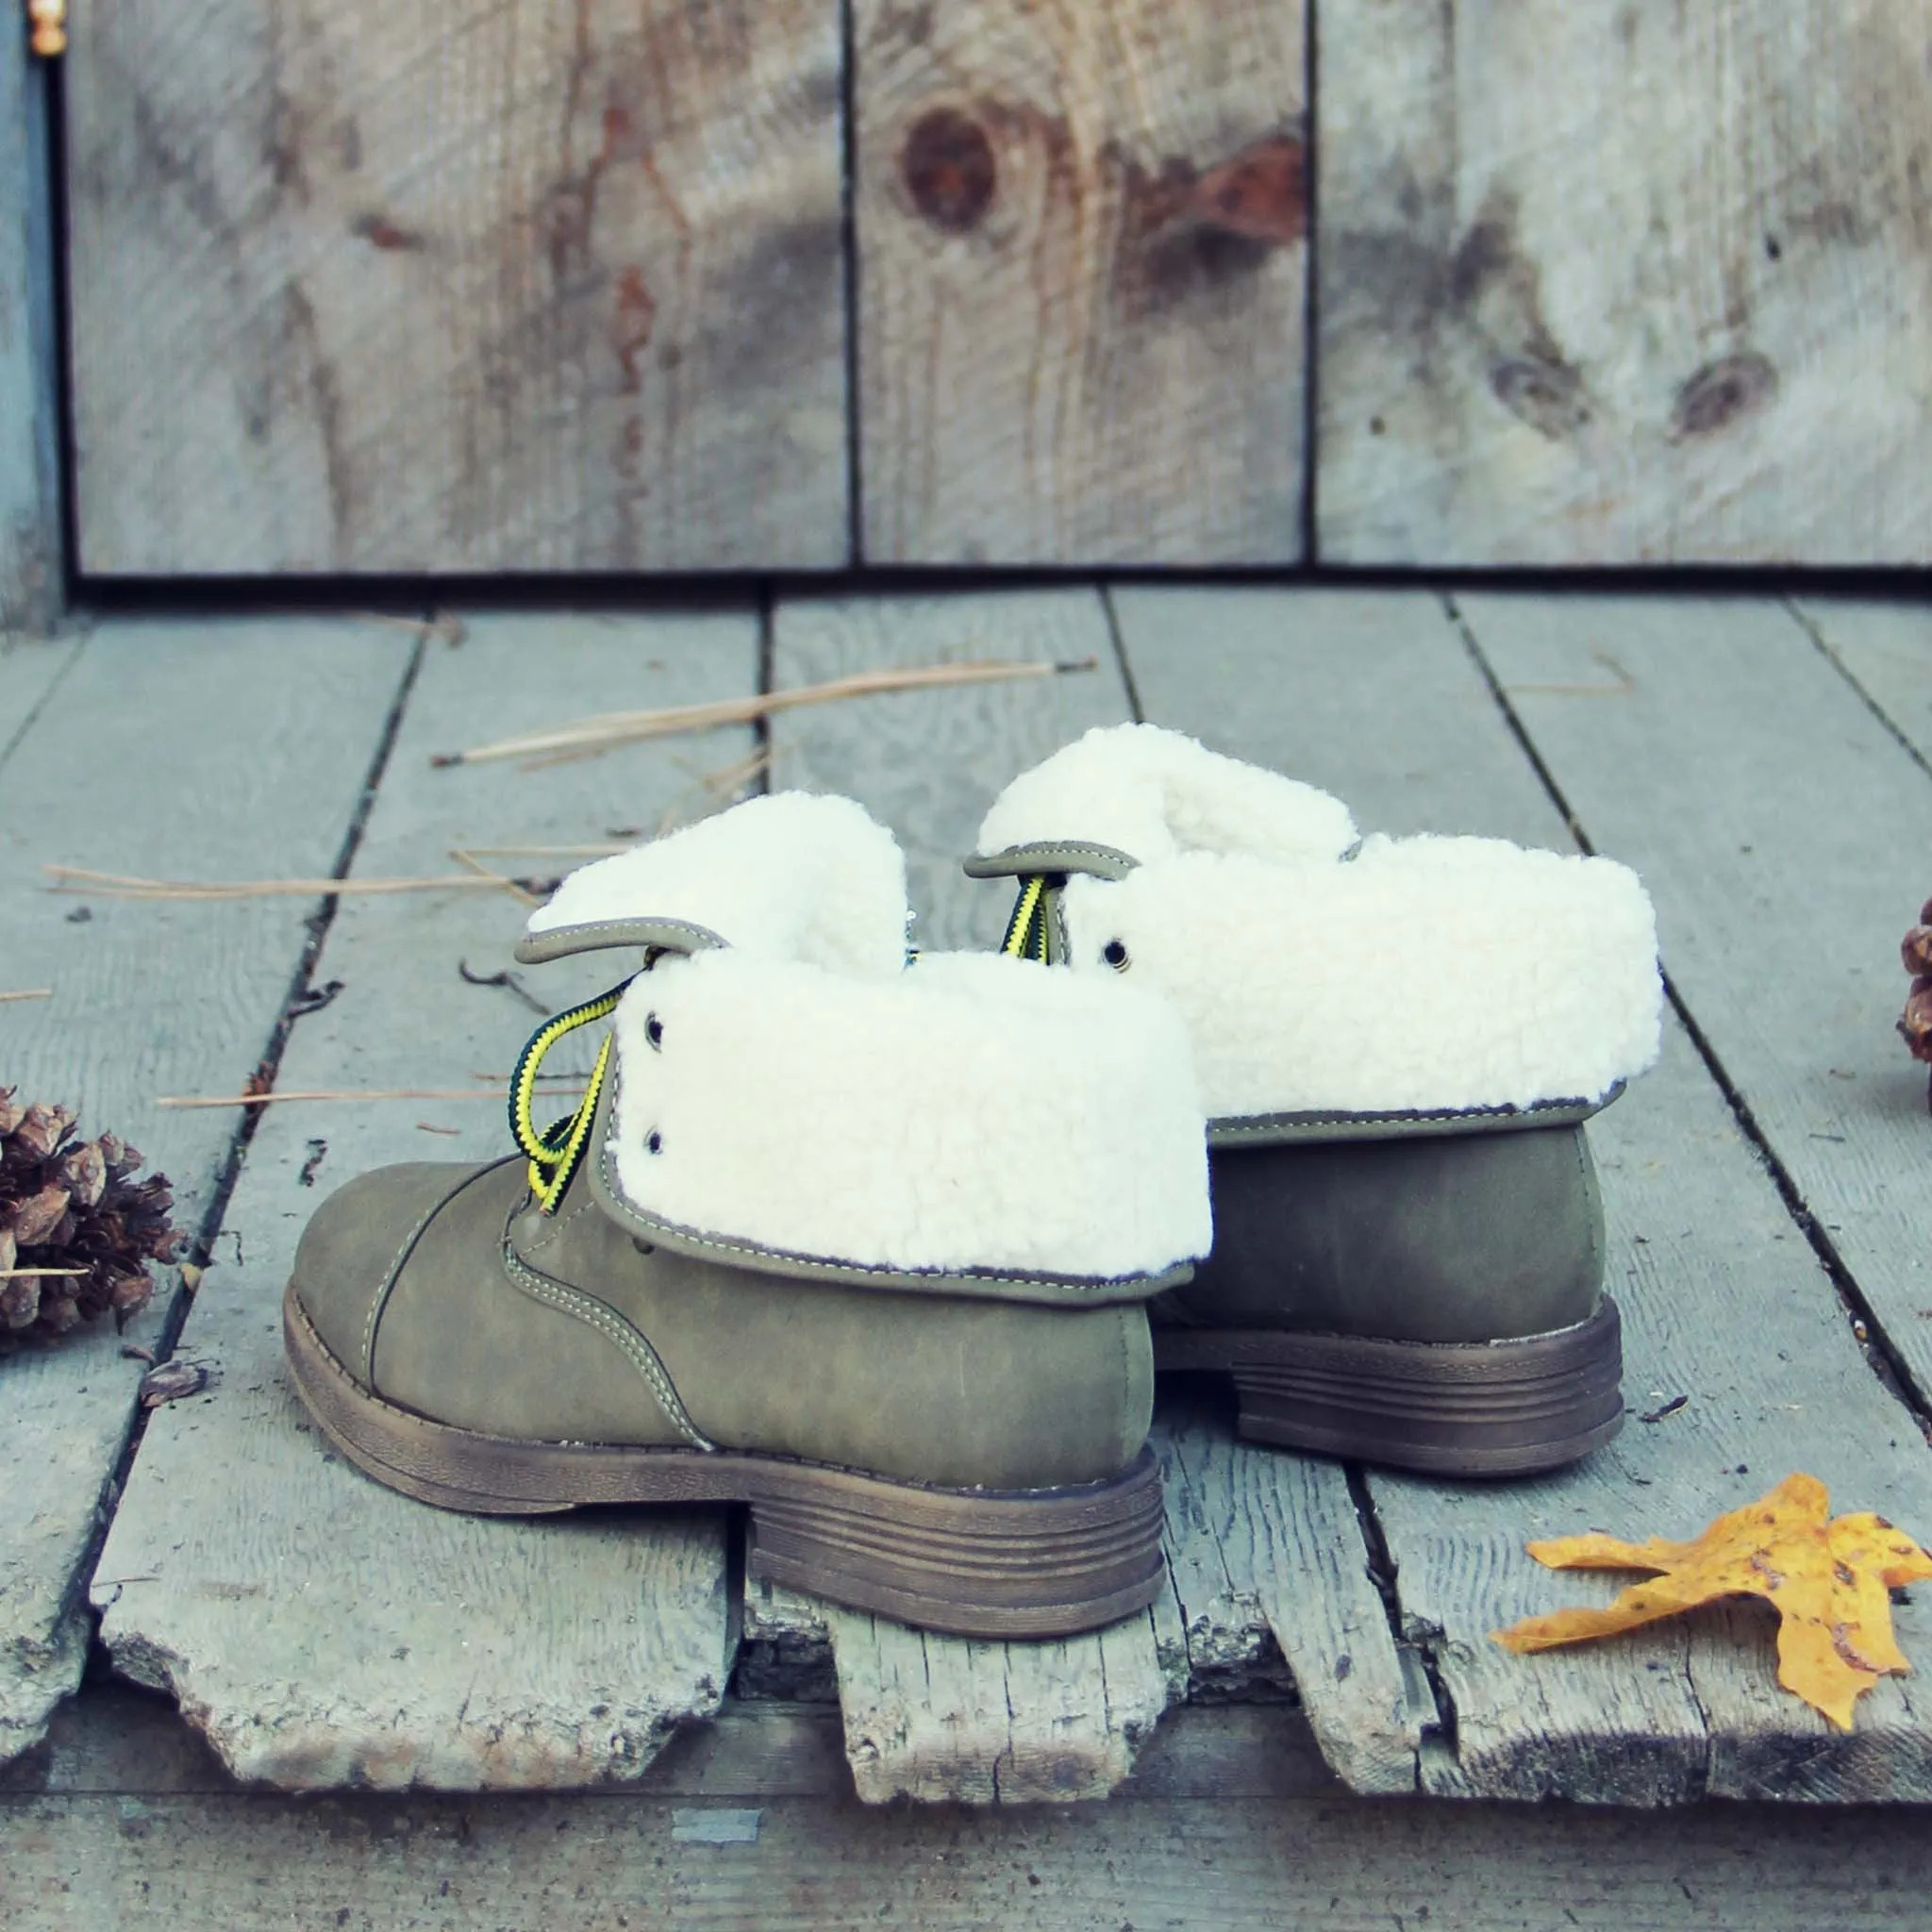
(556, 1154)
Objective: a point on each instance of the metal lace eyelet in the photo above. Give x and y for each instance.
(1115, 954)
(653, 1032)
(654, 1142)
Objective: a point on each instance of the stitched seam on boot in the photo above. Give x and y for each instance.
(610, 1324)
(381, 1301)
(1073, 848)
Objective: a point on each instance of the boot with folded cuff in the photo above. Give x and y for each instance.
(1398, 1042)
(864, 1245)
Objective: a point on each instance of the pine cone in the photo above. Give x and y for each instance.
(66, 1205)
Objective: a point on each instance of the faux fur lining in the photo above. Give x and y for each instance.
(973, 1126)
(973, 1284)
(1429, 976)
(795, 875)
(1153, 795)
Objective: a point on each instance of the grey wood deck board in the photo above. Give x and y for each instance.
(935, 1717)
(1783, 832)
(1351, 1865)
(930, 762)
(322, 1630)
(1885, 647)
(1374, 697)
(216, 750)
(29, 672)
(1262, 1544)
(30, 541)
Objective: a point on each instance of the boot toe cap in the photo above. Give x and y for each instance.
(356, 1241)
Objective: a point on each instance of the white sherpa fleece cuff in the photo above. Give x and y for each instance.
(1426, 976)
(1146, 794)
(794, 876)
(1014, 1131)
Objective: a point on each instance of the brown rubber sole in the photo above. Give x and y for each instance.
(976, 1562)
(1445, 1409)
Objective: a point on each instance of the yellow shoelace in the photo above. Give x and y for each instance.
(556, 1154)
(1026, 930)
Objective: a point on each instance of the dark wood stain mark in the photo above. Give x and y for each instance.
(284, 138)
(1547, 395)
(1260, 195)
(629, 457)
(637, 316)
(571, 208)
(187, 173)
(380, 232)
(908, 25)
(1189, 233)
(1496, 291)
(1487, 254)
(303, 339)
(948, 168)
(1723, 392)
(1834, 222)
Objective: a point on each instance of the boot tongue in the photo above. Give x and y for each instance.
(794, 876)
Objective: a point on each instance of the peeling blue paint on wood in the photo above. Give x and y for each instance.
(31, 586)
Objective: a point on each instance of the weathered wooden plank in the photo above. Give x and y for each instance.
(1256, 1545)
(465, 287)
(1268, 1564)
(1081, 281)
(1251, 1866)
(113, 1739)
(943, 1720)
(1885, 647)
(29, 672)
(937, 1717)
(1375, 697)
(31, 589)
(220, 750)
(1774, 817)
(319, 1629)
(1670, 309)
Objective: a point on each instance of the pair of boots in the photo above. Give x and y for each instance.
(892, 1247)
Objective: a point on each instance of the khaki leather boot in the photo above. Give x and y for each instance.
(1398, 1042)
(865, 1246)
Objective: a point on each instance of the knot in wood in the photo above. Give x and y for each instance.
(949, 171)
(1547, 395)
(1721, 392)
(1260, 195)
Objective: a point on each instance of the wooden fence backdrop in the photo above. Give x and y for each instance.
(643, 285)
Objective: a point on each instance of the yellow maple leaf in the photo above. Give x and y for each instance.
(1830, 1580)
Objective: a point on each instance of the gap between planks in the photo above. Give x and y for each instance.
(1374, 695)
(319, 1629)
(297, 707)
